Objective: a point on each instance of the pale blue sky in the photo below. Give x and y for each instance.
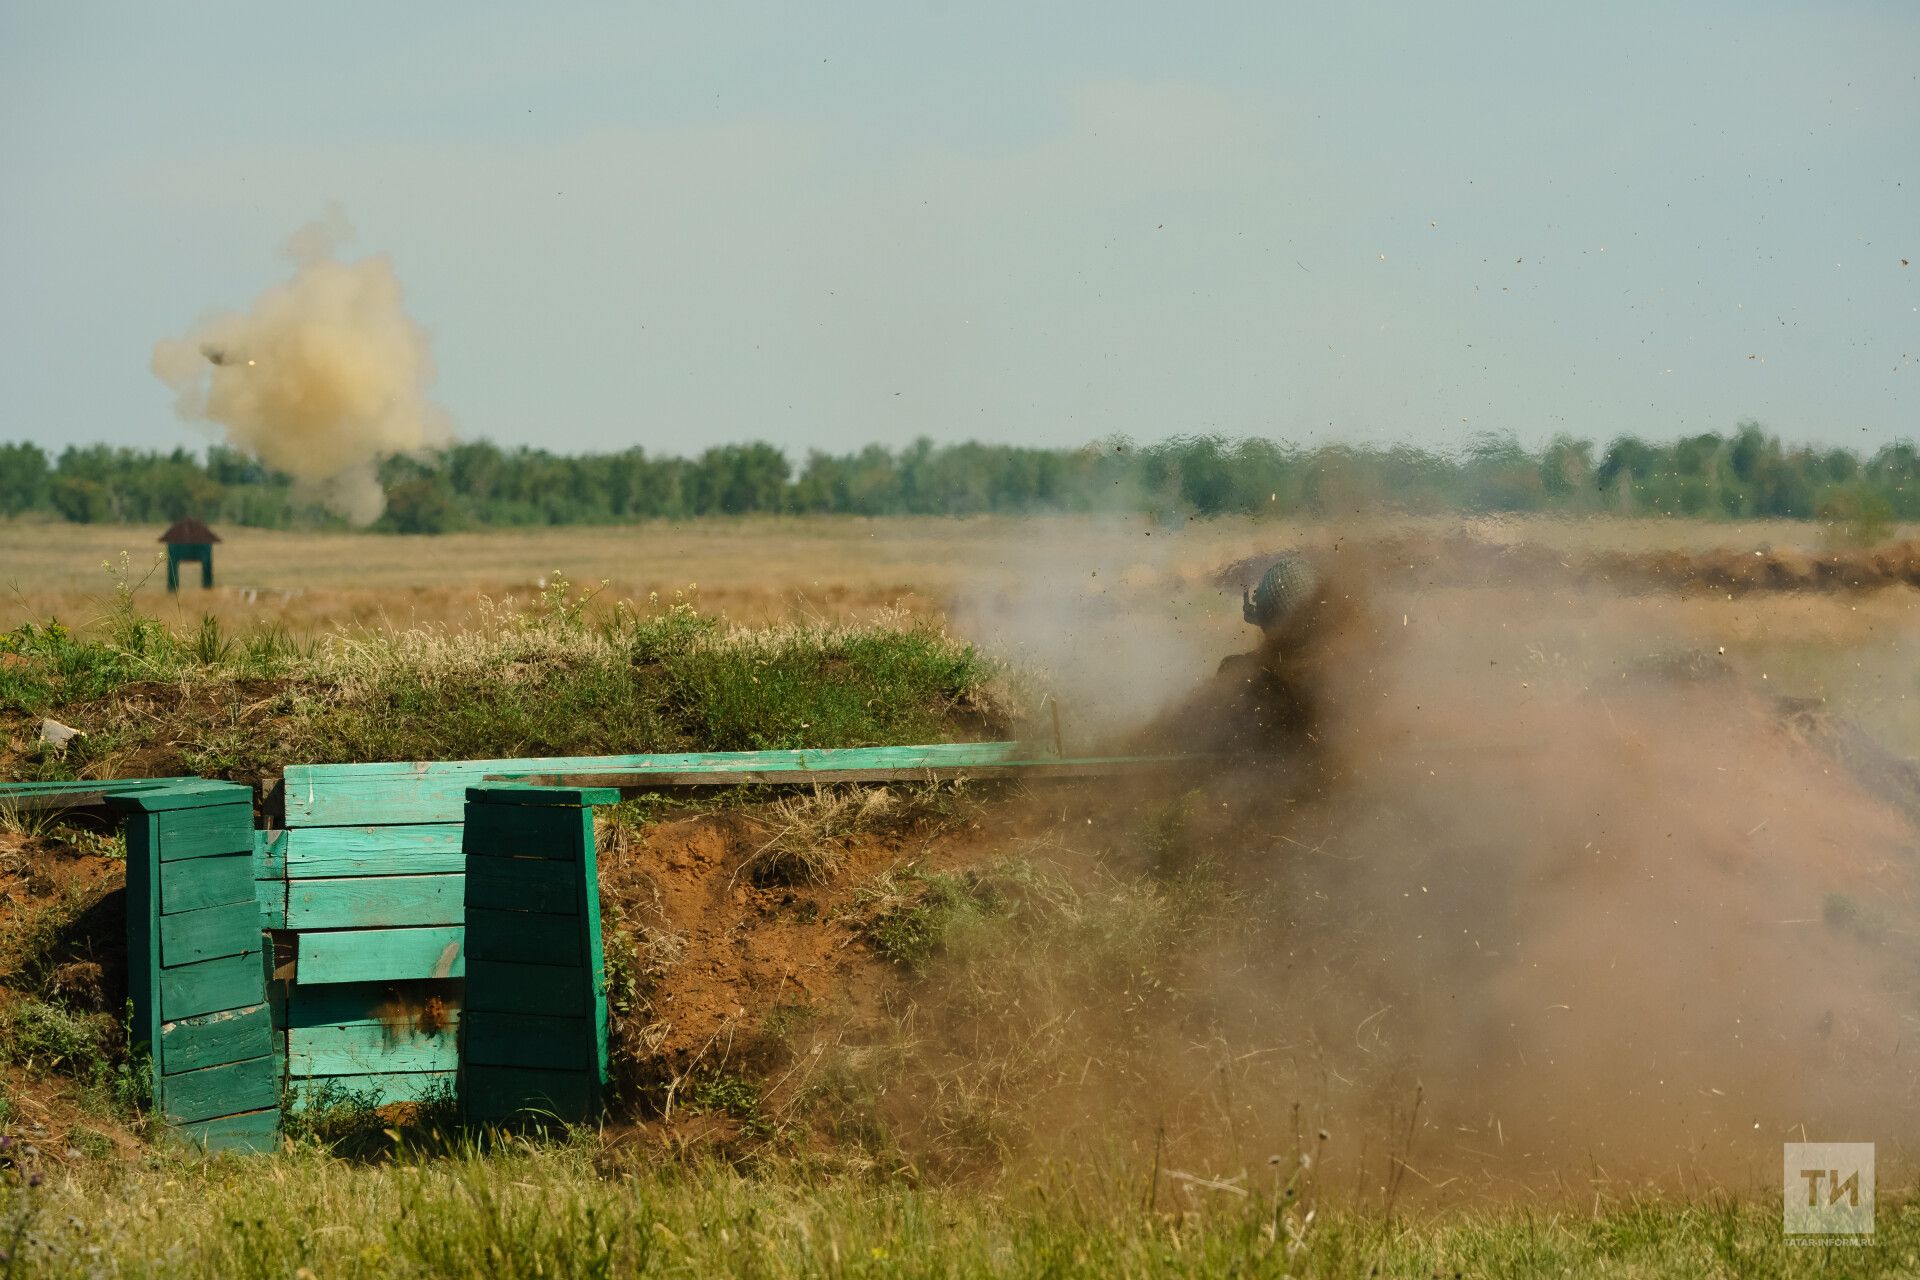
(676, 228)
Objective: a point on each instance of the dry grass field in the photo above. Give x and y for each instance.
(1116, 612)
(753, 569)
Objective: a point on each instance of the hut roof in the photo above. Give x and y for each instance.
(188, 529)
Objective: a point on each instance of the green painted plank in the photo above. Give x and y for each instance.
(524, 937)
(523, 884)
(210, 932)
(214, 1038)
(277, 1006)
(527, 988)
(220, 1091)
(364, 1048)
(270, 896)
(589, 900)
(502, 1093)
(234, 982)
(269, 855)
(380, 955)
(185, 793)
(206, 882)
(257, 1131)
(87, 793)
(196, 833)
(376, 901)
(529, 1040)
(413, 849)
(87, 786)
(435, 791)
(505, 831)
(143, 939)
(380, 1089)
(529, 795)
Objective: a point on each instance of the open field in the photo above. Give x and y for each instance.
(1582, 895)
(752, 569)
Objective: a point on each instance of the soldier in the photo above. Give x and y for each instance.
(1288, 583)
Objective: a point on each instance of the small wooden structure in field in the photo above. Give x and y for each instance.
(189, 539)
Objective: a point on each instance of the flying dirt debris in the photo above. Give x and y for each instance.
(219, 355)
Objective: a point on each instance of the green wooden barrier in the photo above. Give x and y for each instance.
(196, 972)
(534, 1030)
(84, 794)
(435, 791)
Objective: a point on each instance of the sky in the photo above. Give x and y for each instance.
(827, 226)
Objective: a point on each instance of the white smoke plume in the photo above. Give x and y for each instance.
(323, 378)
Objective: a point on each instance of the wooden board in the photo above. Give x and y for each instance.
(216, 881)
(269, 855)
(376, 901)
(235, 982)
(380, 1088)
(654, 780)
(539, 796)
(527, 988)
(251, 1131)
(366, 1048)
(179, 793)
(215, 1038)
(527, 1040)
(219, 1091)
(380, 955)
(197, 833)
(523, 937)
(143, 941)
(210, 932)
(514, 832)
(501, 1093)
(87, 793)
(435, 791)
(409, 849)
(522, 884)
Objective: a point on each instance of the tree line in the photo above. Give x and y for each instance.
(1744, 473)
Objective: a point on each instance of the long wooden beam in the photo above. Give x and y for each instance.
(639, 781)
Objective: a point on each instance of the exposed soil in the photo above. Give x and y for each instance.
(726, 966)
(63, 939)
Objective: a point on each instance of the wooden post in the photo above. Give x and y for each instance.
(534, 1029)
(196, 974)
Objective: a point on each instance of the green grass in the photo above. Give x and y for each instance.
(916, 913)
(581, 1210)
(547, 680)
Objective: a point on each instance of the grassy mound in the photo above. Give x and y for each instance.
(552, 679)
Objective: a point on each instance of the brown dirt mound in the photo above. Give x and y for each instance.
(714, 965)
(1462, 559)
(62, 940)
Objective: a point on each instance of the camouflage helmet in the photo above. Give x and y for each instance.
(1288, 583)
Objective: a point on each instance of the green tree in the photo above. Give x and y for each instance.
(23, 478)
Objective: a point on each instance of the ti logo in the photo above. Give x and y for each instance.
(1827, 1191)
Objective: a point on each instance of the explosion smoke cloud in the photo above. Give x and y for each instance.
(1553, 897)
(325, 377)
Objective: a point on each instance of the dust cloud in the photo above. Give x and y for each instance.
(1525, 886)
(323, 378)
(1104, 621)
